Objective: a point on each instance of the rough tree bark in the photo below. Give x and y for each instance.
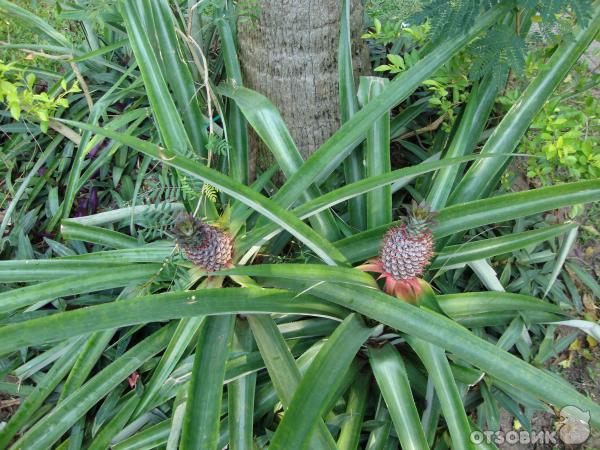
(289, 54)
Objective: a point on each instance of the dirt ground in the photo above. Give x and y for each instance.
(583, 373)
(8, 405)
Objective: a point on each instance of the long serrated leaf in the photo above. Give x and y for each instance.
(380, 435)
(86, 233)
(486, 274)
(355, 410)
(240, 394)
(469, 307)
(353, 165)
(377, 155)
(147, 439)
(103, 439)
(75, 284)
(269, 125)
(467, 303)
(317, 387)
(237, 130)
(585, 278)
(179, 76)
(48, 430)
(165, 112)
(201, 421)
(565, 248)
(590, 328)
(283, 371)
(487, 248)
(161, 307)
(438, 369)
(390, 373)
(186, 329)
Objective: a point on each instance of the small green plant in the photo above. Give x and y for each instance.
(18, 90)
(564, 135)
(403, 44)
(210, 192)
(217, 145)
(391, 31)
(448, 87)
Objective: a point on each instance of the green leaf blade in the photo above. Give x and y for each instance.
(201, 420)
(390, 373)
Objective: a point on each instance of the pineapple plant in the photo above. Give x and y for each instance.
(203, 244)
(406, 251)
(296, 354)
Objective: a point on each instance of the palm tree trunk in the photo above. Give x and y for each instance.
(289, 54)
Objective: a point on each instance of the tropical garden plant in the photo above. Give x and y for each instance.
(155, 296)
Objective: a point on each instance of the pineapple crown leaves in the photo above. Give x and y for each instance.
(224, 220)
(188, 229)
(419, 218)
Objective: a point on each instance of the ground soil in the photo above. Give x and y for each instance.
(8, 405)
(583, 373)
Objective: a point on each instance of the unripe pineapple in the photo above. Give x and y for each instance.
(206, 246)
(405, 252)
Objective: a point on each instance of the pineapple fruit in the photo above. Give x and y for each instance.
(405, 252)
(204, 245)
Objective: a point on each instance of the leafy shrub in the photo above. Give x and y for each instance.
(563, 136)
(18, 92)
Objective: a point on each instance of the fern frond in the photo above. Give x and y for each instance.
(501, 49)
(159, 190)
(191, 189)
(217, 145)
(210, 192)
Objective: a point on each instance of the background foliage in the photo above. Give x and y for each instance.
(109, 337)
